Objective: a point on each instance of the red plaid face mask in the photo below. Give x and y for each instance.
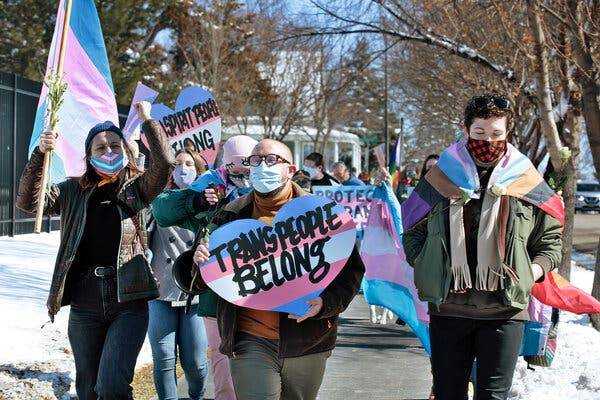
(485, 151)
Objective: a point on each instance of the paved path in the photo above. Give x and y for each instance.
(375, 362)
(587, 230)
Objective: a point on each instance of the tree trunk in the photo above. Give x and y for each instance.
(570, 171)
(595, 318)
(588, 81)
(591, 113)
(544, 93)
(572, 128)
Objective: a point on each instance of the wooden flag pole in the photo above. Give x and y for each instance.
(59, 70)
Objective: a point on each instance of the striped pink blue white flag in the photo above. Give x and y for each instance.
(89, 98)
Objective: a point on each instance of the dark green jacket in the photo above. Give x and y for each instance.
(175, 207)
(69, 200)
(531, 236)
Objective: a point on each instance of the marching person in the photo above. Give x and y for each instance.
(101, 270)
(181, 208)
(429, 162)
(313, 165)
(476, 260)
(275, 355)
(343, 176)
(172, 329)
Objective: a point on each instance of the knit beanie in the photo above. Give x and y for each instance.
(236, 148)
(101, 127)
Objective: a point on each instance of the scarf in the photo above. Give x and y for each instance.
(265, 208)
(455, 178)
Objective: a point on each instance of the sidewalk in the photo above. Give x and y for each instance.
(375, 362)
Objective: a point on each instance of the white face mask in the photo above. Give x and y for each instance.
(266, 179)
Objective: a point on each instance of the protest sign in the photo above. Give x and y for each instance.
(283, 266)
(131, 129)
(355, 199)
(195, 123)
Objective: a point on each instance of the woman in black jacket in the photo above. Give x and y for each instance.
(101, 271)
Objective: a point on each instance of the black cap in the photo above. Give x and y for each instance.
(102, 127)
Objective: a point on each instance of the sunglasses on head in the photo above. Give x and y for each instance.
(269, 159)
(496, 101)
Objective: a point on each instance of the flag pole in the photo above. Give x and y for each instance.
(39, 215)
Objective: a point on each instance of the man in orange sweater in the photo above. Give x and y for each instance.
(275, 355)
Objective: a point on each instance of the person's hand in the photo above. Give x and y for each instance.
(383, 175)
(202, 253)
(315, 307)
(537, 271)
(143, 110)
(48, 141)
(211, 196)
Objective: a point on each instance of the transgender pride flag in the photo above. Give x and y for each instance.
(89, 98)
(389, 279)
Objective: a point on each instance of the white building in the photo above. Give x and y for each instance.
(340, 146)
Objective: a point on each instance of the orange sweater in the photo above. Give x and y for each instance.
(260, 323)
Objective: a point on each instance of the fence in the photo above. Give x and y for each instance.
(18, 104)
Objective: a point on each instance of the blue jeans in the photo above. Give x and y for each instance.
(106, 338)
(171, 329)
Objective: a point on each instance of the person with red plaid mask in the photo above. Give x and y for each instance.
(476, 255)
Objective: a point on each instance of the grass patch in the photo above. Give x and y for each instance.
(143, 382)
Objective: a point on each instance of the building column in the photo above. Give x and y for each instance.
(298, 152)
(336, 152)
(356, 159)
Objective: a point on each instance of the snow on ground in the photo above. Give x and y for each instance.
(575, 371)
(35, 356)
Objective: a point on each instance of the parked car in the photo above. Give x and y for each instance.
(587, 197)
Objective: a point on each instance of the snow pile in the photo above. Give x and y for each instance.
(575, 372)
(35, 356)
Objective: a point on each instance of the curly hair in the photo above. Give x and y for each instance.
(487, 106)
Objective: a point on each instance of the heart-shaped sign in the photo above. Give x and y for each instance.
(195, 123)
(282, 266)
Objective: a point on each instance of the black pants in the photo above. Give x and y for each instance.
(457, 342)
(106, 338)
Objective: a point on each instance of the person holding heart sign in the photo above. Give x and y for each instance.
(275, 355)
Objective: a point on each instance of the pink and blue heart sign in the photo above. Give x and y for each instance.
(280, 267)
(194, 123)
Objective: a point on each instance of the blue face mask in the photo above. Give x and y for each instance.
(109, 164)
(184, 176)
(266, 179)
(312, 171)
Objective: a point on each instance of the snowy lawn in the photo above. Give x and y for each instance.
(35, 362)
(575, 372)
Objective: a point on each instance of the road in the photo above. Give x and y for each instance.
(587, 231)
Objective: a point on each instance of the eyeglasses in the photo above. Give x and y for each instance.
(497, 101)
(269, 159)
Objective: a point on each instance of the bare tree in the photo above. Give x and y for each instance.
(450, 42)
